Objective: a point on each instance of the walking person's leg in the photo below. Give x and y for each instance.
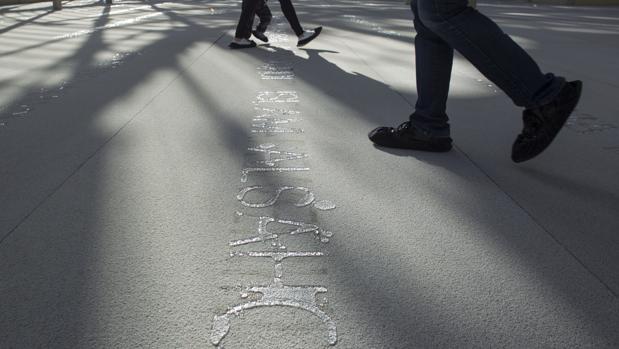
(428, 128)
(548, 99)
(490, 50)
(291, 16)
(433, 64)
(264, 14)
(305, 36)
(243, 28)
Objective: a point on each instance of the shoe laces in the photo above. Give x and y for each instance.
(403, 127)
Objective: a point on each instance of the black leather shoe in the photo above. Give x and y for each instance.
(236, 45)
(306, 40)
(541, 125)
(406, 136)
(260, 36)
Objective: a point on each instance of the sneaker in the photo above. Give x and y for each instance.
(308, 36)
(260, 36)
(541, 125)
(243, 43)
(407, 136)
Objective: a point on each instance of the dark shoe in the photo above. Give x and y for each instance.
(406, 136)
(305, 40)
(541, 125)
(236, 45)
(260, 36)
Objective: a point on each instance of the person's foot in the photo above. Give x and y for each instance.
(542, 124)
(407, 136)
(241, 43)
(260, 36)
(307, 36)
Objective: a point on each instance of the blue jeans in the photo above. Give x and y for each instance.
(445, 25)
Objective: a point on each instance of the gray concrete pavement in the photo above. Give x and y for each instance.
(126, 132)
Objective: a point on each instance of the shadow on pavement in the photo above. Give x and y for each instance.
(392, 311)
(62, 266)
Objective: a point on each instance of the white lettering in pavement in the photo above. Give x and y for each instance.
(298, 297)
(276, 71)
(273, 155)
(262, 234)
(269, 112)
(266, 238)
(275, 193)
(277, 97)
(275, 120)
(273, 125)
(245, 172)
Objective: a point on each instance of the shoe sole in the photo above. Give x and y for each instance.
(434, 148)
(304, 42)
(235, 46)
(577, 85)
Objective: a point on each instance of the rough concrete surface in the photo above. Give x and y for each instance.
(128, 133)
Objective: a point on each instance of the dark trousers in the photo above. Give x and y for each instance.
(445, 25)
(291, 16)
(250, 8)
(264, 14)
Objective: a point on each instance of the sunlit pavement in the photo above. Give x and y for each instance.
(160, 190)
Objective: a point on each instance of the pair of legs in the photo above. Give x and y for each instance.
(445, 25)
(252, 7)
